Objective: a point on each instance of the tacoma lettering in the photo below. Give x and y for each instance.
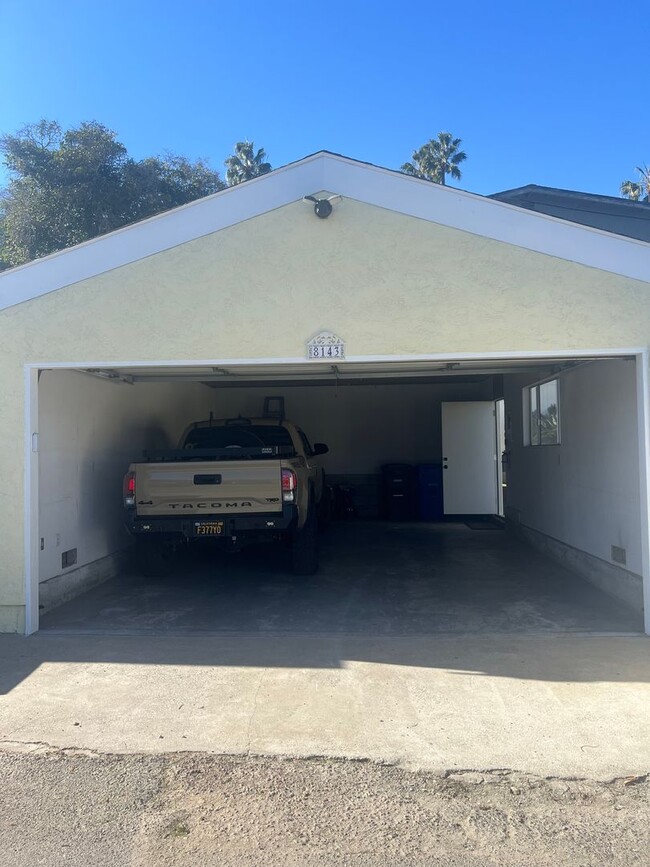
(245, 504)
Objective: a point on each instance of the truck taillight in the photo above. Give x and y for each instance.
(289, 484)
(129, 489)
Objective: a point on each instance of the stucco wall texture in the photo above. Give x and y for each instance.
(388, 284)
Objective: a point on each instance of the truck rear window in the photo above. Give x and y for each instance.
(240, 436)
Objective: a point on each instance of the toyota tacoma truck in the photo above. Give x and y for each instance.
(231, 481)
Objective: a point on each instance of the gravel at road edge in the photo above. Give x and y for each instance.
(182, 810)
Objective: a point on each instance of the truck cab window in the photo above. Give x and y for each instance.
(306, 444)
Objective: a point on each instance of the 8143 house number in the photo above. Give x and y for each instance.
(326, 345)
(335, 351)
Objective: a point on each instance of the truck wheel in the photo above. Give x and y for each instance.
(153, 556)
(304, 548)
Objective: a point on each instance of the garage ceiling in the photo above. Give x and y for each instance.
(342, 373)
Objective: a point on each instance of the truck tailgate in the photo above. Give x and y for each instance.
(208, 487)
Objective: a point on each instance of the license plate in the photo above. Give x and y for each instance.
(208, 528)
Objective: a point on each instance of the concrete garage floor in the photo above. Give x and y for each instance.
(375, 579)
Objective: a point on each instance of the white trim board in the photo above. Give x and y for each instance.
(643, 421)
(384, 188)
(31, 540)
(512, 355)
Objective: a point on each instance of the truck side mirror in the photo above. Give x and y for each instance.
(320, 449)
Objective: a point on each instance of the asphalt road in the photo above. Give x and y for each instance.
(182, 810)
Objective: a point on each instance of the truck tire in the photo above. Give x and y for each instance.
(153, 556)
(304, 546)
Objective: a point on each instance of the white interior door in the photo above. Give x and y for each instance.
(469, 458)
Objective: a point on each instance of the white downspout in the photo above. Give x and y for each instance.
(31, 544)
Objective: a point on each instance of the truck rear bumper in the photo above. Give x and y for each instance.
(233, 525)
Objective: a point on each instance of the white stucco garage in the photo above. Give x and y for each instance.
(440, 297)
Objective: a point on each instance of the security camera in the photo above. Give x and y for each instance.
(322, 207)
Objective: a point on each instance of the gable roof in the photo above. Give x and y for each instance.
(336, 174)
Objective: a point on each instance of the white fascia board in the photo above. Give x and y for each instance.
(489, 218)
(162, 232)
(363, 182)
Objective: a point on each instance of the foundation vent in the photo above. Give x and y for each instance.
(68, 558)
(618, 555)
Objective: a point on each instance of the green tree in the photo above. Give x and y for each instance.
(245, 164)
(67, 187)
(638, 191)
(436, 159)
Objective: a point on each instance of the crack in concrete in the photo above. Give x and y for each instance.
(642, 777)
(13, 731)
(44, 746)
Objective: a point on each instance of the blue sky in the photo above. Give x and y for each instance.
(540, 91)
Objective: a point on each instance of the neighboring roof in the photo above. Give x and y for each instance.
(324, 171)
(610, 213)
(537, 189)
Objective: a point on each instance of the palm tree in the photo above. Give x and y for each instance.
(245, 164)
(638, 191)
(436, 159)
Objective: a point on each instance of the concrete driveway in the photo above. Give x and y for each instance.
(560, 705)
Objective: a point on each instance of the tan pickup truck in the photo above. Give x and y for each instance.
(231, 481)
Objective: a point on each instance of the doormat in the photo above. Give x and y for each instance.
(486, 523)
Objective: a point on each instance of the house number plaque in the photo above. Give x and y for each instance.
(326, 346)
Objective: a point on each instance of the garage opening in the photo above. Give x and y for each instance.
(462, 496)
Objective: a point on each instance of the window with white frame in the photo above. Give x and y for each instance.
(543, 414)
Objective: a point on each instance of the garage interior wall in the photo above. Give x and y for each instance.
(364, 426)
(577, 499)
(90, 430)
